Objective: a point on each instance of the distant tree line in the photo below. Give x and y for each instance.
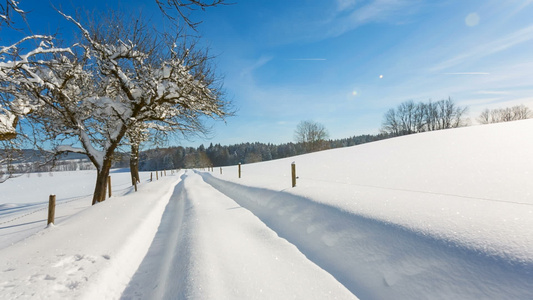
(28, 167)
(218, 155)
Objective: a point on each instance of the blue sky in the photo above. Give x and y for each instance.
(344, 63)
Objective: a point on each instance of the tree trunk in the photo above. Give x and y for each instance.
(101, 182)
(134, 164)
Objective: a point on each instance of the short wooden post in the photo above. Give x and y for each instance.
(156, 175)
(220, 170)
(109, 185)
(293, 172)
(151, 177)
(239, 170)
(51, 209)
(165, 172)
(135, 184)
(161, 174)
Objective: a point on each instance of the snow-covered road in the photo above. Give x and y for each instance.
(209, 247)
(222, 240)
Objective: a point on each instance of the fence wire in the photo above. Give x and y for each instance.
(298, 178)
(59, 202)
(416, 191)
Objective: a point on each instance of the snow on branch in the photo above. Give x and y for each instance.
(8, 124)
(6, 12)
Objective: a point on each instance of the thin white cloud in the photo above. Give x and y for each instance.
(479, 102)
(509, 41)
(308, 59)
(329, 19)
(493, 92)
(467, 73)
(373, 11)
(523, 5)
(472, 20)
(346, 4)
(256, 65)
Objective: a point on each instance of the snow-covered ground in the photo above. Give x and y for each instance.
(24, 199)
(439, 215)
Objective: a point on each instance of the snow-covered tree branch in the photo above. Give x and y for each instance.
(113, 83)
(7, 9)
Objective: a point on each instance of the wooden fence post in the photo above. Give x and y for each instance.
(156, 175)
(239, 170)
(151, 177)
(51, 209)
(109, 185)
(220, 170)
(135, 184)
(293, 172)
(165, 172)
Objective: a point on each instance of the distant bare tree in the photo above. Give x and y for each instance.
(391, 124)
(409, 117)
(521, 112)
(484, 117)
(497, 115)
(312, 135)
(450, 115)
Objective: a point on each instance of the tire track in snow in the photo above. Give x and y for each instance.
(208, 247)
(161, 269)
(378, 260)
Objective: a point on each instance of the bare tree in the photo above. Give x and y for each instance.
(391, 124)
(485, 117)
(521, 112)
(497, 115)
(450, 115)
(411, 118)
(312, 135)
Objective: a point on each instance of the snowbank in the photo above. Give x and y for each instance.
(92, 255)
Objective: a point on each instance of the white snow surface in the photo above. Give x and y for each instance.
(439, 215)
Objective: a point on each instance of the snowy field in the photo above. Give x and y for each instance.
(439, 215)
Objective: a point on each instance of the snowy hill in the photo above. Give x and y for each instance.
(439, 215)
(446, 214)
